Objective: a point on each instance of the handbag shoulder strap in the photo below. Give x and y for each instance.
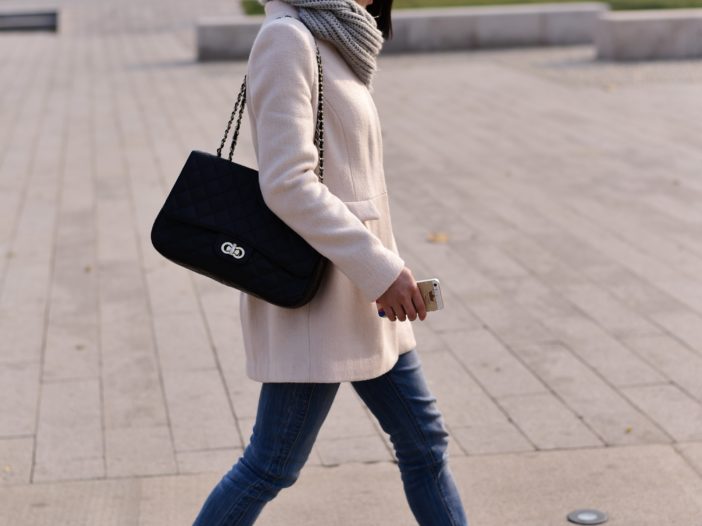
(319, 126)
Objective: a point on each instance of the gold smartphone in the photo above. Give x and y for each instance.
(431, 293)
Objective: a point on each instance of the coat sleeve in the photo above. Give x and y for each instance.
(282, 73)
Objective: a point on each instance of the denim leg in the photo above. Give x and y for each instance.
(405, 408)
(288, 419)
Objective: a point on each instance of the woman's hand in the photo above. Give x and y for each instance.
(403, 300)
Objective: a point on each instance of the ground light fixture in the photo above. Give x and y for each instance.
(587, 516)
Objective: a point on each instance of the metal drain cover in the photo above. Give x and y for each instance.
(587, 516)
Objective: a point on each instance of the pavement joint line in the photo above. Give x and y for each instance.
(147, 299)
(451, 182)
(58, 196)
(529, 368)
(541, 179)
(192, 283)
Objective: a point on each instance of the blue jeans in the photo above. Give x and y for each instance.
(288, 419)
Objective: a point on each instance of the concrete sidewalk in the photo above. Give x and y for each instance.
(637, 485)
(568, 360)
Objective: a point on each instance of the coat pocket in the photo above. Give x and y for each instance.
(365, 209)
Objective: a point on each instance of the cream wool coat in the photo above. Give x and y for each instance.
(338, 336)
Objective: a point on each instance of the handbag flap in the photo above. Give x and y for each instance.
(223, 196)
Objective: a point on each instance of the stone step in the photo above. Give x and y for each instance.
(435, 29)
(649, 35)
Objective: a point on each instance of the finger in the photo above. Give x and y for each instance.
(401, 314)
(418, 301)
(390, 313)
(380, 309)
(410, 310)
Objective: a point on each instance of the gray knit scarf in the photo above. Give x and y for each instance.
(349, 26)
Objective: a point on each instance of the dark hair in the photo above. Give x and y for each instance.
(380, 9)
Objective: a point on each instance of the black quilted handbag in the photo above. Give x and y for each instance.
(215, 222)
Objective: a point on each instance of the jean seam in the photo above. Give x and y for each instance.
(435, 473)
(304, 419)
(285, 463)
(232, 509)
(252, 500)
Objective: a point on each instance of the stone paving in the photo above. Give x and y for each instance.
(568, 190)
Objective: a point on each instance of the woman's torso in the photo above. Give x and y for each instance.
(338, 336)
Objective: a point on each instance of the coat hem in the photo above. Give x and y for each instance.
(263, 378)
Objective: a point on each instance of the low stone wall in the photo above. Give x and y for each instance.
(226, 37)
(493, 27)
(435, 29)
(649, 35)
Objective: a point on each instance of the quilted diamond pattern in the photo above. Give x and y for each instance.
(215, 199)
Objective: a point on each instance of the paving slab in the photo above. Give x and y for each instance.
(566, 363)
(646, 485)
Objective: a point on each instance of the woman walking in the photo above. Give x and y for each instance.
(301, 355)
